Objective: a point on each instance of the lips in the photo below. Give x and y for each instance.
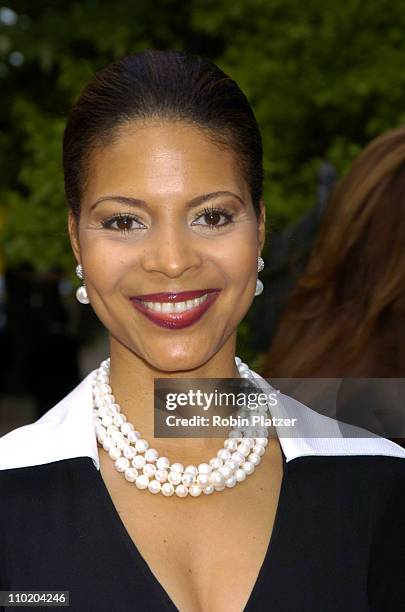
(149, 304)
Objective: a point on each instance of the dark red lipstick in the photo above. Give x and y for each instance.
(175, 320)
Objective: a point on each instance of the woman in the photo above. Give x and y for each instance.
(163, 174)
(349, 305)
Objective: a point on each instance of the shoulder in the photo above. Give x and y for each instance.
(66, 431)
(317, 435)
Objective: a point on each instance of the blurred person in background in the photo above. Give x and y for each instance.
(287, 255)
(346, 316)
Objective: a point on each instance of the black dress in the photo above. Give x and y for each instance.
(338, 541)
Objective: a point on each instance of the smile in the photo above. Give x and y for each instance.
(175, 310)
(176, 306)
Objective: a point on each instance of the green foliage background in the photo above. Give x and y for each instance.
(323, 79)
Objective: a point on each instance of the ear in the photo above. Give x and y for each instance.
(73, 227)
(261, 230)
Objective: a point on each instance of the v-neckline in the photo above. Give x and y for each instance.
(147, 571)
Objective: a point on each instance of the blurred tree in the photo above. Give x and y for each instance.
(323, 81)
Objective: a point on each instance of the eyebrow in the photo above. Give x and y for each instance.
(191, 204)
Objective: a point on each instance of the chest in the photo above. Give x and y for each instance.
(207, 552)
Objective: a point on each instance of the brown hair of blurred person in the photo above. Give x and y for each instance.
(346, 316)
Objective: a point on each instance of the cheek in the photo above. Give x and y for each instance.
(239, 257)
(240, 271)
(106, 262)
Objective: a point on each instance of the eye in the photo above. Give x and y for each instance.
(213, 217)
(122, 223)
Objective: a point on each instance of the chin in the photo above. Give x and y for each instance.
(176, 361)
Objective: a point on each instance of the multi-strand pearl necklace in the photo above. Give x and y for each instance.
(147, 470)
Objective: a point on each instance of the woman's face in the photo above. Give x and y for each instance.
(165, 211)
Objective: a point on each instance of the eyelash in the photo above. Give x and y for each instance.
(107, 223)
(209, 211)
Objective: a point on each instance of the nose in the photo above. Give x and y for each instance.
(171, 251)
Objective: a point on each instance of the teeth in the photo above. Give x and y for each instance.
(169, 307)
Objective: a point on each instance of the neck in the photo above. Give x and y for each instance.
(132, 383)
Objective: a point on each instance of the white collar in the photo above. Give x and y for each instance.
(66, 431)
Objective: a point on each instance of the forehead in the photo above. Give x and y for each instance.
(168, 158)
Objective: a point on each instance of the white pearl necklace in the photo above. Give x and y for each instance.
(147, 470)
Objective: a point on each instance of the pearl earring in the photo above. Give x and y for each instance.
(81, 293)
(259, 284)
